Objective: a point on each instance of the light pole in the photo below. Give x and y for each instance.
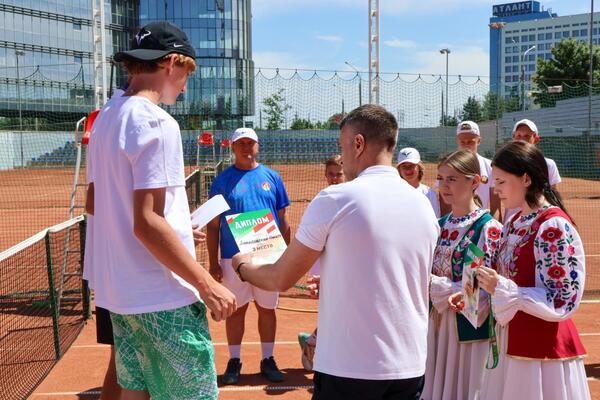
(523, 75)
(359, 82)
(446, 51)
(498, 26)
(19, 53)
(341, 95)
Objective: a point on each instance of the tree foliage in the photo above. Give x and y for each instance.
(275, 109)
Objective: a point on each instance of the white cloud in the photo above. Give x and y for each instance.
(466, 61)
(330, 38)
(261, 8)
(273, 59)
(400, 44)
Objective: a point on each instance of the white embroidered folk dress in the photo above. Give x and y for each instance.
(453, 369)
(559, 284)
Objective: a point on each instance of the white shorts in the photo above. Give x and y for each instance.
(244, 292)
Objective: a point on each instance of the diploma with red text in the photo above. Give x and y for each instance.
(256, 232)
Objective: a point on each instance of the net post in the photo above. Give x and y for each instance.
(52, 295)
(85, 290)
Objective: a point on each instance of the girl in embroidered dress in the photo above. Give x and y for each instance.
(536, 287)
(456, 350)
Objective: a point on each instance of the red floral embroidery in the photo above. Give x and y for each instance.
(444, 233)
(453, 235)
(558, 303)
(494, 233)
(571, 250)
(556, 272)
(551, 234)
(559, 285)
(522, 232)
(553, 249)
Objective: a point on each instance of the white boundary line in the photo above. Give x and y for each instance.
(266, 388)
(283, 343)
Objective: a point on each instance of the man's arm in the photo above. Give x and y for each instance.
(89, 199)
(284, 225)
(155, 233)
(213, 235)
(293, 264)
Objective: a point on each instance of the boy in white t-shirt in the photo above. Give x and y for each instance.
(527, 131)
(411, 169)
(468, 137)
(143, 268)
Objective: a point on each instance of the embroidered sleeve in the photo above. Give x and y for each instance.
(560, 272)
(559, 264)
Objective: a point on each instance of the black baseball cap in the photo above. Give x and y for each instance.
(156, 40)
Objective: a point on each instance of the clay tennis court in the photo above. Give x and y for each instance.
(35, 199)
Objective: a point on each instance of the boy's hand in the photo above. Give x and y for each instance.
(219, 300)
(456, 303)
(314, 284)
(199, 236)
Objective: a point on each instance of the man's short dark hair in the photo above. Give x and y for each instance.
(375, 123)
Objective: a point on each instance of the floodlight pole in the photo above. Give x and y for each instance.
(374, 51)
(523, 75)
(591, 82)
(19, 53)
(446, 51)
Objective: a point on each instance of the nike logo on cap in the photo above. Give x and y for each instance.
(177, 45)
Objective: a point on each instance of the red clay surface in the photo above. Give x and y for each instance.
(79, 374)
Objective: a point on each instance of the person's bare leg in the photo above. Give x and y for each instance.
(110, 388)
(267, 324)
(235, 326)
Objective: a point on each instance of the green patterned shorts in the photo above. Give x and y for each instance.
(167, 353)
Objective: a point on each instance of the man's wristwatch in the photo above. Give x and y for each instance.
(237, 271)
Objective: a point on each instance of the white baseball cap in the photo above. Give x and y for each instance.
(409, 155)
(530, 124)
(244, 133)
(468, 127)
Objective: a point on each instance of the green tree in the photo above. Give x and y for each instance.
(569, 68)
(301, 123)
(492, 107)
(448, 120)
(472, 110)
(275, 108)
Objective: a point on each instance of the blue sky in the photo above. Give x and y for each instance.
(322, 34)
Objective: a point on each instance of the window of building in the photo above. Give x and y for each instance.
(507, 69)
(515, 59)
(524, 47)
(77, 26)
(548, 36)
(524, 38)
(531, 38)
(540, 36)
(531, 67)
(595, 31)
(507, 59)
(575, 33)
(557, 35)
(508, 49)
(583, 32)
(77, 59)
(565, 34)
(515, 68)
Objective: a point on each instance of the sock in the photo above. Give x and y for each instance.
(267, 349)
(235, 350)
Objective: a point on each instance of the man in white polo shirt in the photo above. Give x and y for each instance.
(374, 236)
(527, 131)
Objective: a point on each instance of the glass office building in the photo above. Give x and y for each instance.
(221, 92)
(46, 58)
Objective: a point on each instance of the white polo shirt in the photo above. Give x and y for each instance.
(378, 235)
(485, 169)
(135, 145)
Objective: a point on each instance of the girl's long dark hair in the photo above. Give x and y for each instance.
(520, 158)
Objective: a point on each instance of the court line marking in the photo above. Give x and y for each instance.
(91, 346)
(267, 388)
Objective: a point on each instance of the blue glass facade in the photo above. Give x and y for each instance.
(46, 58)
(221, 92)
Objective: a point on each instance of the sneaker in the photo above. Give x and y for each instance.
(232, 373)
(269, 370)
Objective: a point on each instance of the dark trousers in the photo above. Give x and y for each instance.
(104, 331)
(329, 387)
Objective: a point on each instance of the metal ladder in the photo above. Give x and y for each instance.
(73, 206)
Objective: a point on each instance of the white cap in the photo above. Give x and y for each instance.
(244, 133)
(468, 127)
(409, 155)
(530, 124)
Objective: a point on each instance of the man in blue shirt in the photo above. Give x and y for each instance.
(246, 186)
